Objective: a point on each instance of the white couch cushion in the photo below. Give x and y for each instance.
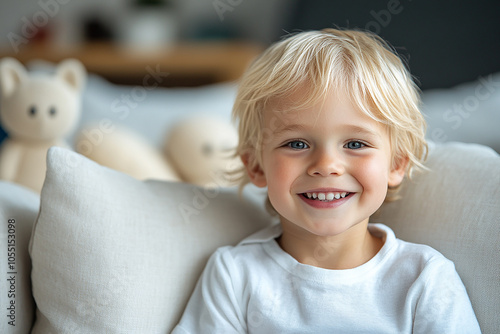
(112, 254)
(455, 208)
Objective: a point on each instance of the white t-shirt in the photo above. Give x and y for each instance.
(256, 287)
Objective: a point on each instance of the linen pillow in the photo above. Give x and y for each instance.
(111, 254)
(91, 282)
(455, 208)
(18, 211)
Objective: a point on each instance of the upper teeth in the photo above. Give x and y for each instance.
(327, 196)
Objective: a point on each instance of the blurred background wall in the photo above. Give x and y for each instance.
(445, 42)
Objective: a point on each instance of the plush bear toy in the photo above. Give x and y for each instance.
(124, 150)
(197, 150)
(202, 149)
(37, 111)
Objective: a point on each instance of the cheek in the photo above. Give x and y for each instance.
(373, 175)
(278, 176)
(278, 170)
(281, 173)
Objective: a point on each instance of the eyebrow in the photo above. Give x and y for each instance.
(349, 128)
(362, 130)
(289, 128)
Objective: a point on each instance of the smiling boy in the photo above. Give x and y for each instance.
(329, 122)
(327, 169)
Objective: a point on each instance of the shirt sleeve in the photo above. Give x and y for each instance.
(214, 306)
(443, 305)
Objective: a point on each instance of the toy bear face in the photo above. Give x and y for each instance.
(202, 150)
(40, 107)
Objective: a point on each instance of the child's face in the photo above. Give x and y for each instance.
(327, 150)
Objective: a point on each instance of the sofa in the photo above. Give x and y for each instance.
(99, 251)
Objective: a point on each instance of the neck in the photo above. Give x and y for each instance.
(347, 250)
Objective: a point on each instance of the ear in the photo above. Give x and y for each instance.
(12, 73)
(398, 172)
(254, 170)
(73, 73)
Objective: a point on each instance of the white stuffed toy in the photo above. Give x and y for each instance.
(197, 150)
(122, 149)
(37, 111)
(202, 149)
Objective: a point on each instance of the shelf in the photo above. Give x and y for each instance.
(187, 64)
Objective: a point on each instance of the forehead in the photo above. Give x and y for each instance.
(334, 111)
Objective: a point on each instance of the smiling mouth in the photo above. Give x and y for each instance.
(326, 197)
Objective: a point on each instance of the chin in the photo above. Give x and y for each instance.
(330, 229)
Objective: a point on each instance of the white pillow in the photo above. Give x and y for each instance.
(455, 208)
(111, 254)
(18, 211)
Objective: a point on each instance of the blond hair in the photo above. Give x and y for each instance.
(359, 64)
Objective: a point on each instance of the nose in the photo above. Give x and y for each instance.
(326, 162)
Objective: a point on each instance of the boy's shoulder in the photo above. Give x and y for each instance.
(403, 246)
(253, 243)
(262, 236)
(248, 258)
(410, 255)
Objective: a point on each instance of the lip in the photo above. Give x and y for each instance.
(326, 190)
(325, 205)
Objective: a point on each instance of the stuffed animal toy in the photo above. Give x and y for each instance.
(197, 150)
(37, 111)
(202, 151)
(119, 148)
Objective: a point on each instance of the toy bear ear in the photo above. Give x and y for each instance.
(73, 73)
(12, 73)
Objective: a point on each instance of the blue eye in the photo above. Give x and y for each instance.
(354, 145)
(297, 145)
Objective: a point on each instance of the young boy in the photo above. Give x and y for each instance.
(329, 122)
